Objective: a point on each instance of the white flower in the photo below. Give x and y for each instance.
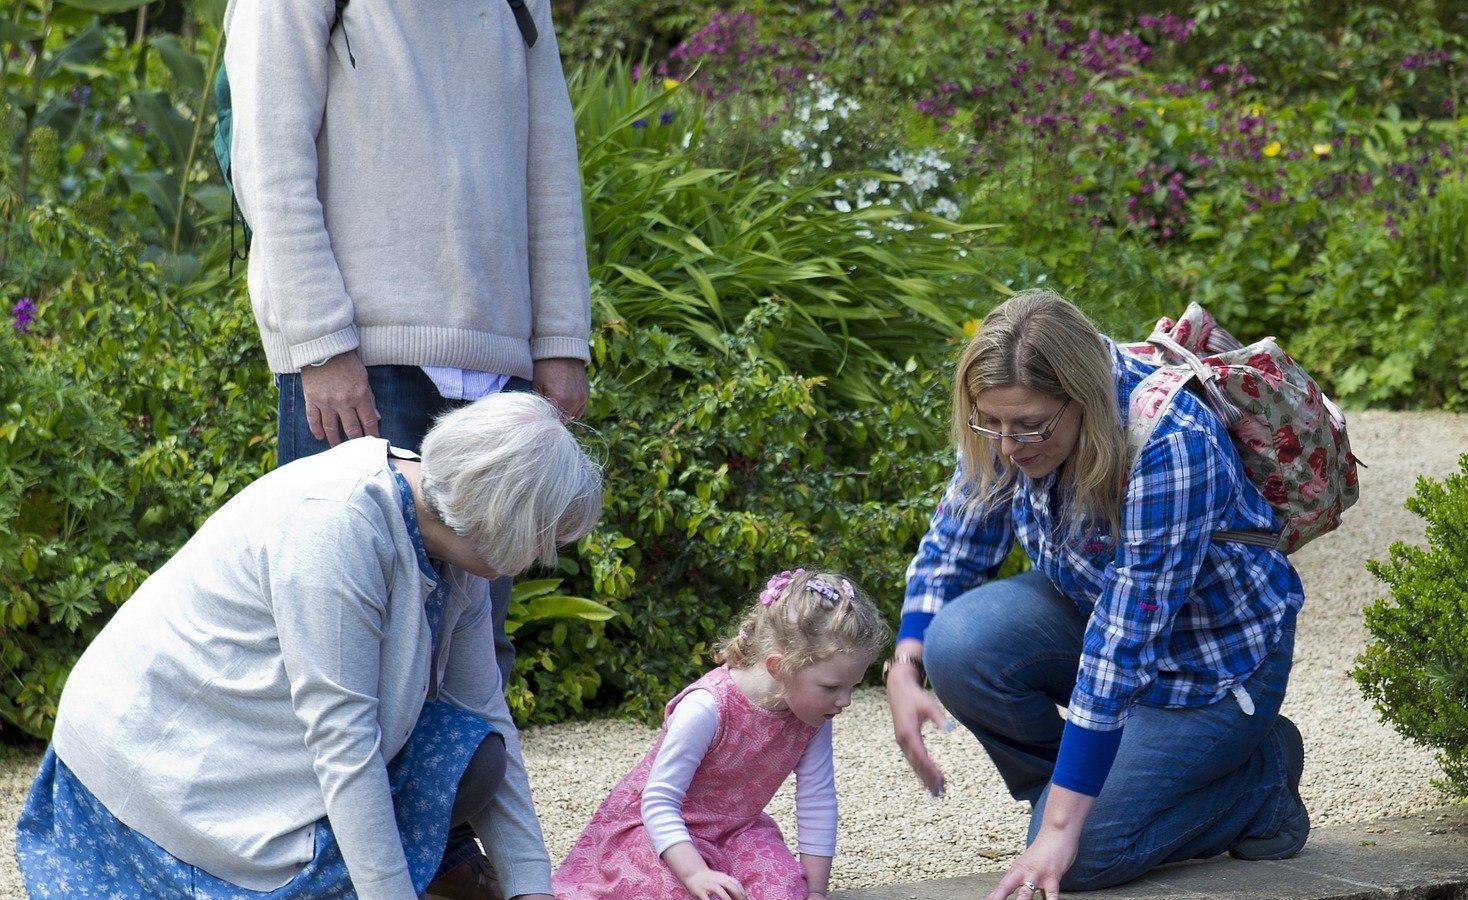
(944, 208)
(842, 206)
(826, 102)
(820, 125)
(825, 159)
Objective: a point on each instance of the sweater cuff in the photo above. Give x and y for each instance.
(560, 348)
(319, 350)
(914, 625)
(1085, 758)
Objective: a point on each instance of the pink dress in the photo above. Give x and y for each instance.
(751, 755)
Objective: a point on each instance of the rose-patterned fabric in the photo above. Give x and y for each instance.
(1291, 437)
(752, 753)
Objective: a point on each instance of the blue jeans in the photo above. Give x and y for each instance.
(408, 401)
(1188, 783)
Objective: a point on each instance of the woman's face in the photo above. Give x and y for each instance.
(1019, 410)
(446, 546)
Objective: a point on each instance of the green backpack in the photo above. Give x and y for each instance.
(224, 115)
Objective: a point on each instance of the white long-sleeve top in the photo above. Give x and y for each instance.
(690, 730)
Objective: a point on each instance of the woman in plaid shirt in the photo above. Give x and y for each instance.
(1171, 651)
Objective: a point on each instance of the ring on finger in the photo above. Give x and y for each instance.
(1030, 886)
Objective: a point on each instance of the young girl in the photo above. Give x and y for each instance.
(689, 819)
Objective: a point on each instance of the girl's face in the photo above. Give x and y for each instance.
(820, 691)
(1020, 410)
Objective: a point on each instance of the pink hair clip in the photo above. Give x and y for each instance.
(776, 584)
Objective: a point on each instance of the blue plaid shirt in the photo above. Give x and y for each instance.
(1175, 619)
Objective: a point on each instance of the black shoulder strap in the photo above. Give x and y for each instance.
(341, 6)
(524, 20)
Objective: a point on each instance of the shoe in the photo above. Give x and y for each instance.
(474, 880)
(1295, 829)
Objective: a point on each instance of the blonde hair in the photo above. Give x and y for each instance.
(811, 618)
(505, 473)
(1041, 341)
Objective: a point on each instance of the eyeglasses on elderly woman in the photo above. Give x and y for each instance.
(1023, 437)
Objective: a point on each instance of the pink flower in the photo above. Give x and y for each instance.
(1267, 367)
(1274, 490)
(1254, 433)
(1287, 444)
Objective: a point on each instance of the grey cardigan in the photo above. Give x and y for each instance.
(423, 205)
(263, 676)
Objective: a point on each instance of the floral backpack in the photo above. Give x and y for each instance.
(1291, 437)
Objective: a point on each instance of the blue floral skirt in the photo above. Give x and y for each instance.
(69, 845)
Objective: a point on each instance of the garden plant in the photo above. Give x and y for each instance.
(795, 210)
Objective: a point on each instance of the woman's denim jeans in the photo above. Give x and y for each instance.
(1187, 783)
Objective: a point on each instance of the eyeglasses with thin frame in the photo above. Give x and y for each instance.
(1024, 437)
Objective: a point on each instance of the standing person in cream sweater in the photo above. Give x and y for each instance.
(409, 172)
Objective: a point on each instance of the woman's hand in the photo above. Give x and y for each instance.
(1046, 861)
(911, 706)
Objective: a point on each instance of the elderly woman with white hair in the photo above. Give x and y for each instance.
(304, 699)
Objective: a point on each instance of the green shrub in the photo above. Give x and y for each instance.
(724, 468)
(1415, 669)
(65, 462)
(133, 409)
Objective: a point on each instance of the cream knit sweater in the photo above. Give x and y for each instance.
(422, 206)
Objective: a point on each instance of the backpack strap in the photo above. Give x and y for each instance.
(1151, 399)
(341, 6)
(525, 20)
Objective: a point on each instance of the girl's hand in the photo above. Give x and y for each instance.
(711, 884)
(911, 706)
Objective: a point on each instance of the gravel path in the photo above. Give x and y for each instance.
(1357, 769)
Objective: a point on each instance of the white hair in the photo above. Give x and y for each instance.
(505, 473)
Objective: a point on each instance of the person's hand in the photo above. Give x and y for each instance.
(339, 401)
(1039, 868)
(711, 884)
(912, 706)
(1044, 862)
(563, 382)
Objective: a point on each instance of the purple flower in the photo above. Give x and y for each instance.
(639, 123)
(665, 117)
(23, 312)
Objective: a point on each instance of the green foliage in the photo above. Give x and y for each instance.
(1415, 670)
(724, 468)
(628, 30)
(133, 410)
(64, 467)
(94, 115)
(785, 250)
(693, 249)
